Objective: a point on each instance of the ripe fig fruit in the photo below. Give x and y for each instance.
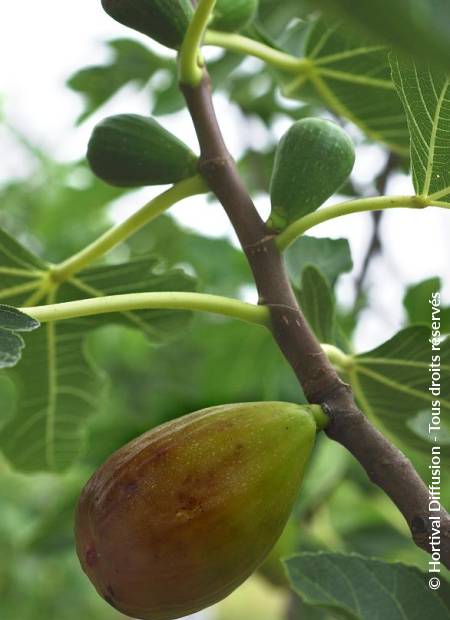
(233, 15)
(133, 151)
(179, 517)
(313, 160)
(165, 21)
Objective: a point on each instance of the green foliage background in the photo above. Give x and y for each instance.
(143, 378)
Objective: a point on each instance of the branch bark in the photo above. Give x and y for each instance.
(385, 465)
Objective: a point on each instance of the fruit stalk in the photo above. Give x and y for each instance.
(384, 463)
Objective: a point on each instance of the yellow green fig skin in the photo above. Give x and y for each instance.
(178, 518)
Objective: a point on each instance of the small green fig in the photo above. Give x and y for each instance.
(165, 21)
(313, 160)
(178, 518)
(133, 151)
(233, 15)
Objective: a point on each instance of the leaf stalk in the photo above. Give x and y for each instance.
(214, 304)
(376, 203)
(190, 59)
(113, 237)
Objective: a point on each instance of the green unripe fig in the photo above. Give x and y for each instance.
(232, 15)
(179, 517)
(165, 21)
(133, 151)
(313, 160)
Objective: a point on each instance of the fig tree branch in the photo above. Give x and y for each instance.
(374, 248)
(375, 244)
(385, 465)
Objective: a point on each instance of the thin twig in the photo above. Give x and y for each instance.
(375, 245)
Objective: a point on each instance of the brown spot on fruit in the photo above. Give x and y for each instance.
(131, 488)
(159, 455)
(187, 502)
(239, 449)
(91, 556)
(189, 507)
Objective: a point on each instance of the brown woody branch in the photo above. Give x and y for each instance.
(385, 465)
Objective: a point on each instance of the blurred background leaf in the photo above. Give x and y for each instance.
(317, 302)
(417, 303)
(11, 344)
(391, 384)
(131, 62)
(417, 27)
(358, 588)
(57, 385)
(331, 256)
(351, 78)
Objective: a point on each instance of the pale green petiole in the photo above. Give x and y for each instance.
(143, 301)
(214, 304)
(249, 47)
(189, 187)
(189, 60)
(340, 360)
(299, 227)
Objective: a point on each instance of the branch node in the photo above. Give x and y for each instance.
(283, 308)
(212, 165)
(260, 245)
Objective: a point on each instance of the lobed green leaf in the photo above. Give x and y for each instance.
(417, 303)
(391, 384)
(353, 587)
(132, 62)
(425, 94)
(331, 256)
(417, 27)
(317, 303)
(14, 320)
(57, 386)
